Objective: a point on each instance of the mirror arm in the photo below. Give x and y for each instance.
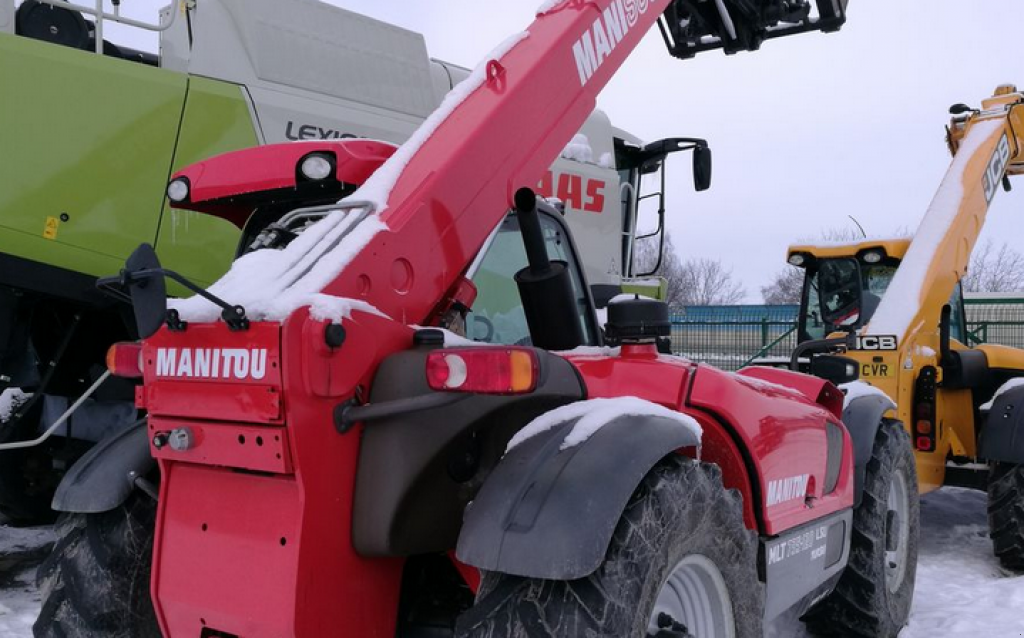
(944, 334)
(234, 316)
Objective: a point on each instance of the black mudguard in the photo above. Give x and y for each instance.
(862, 417)
(550, 513)
(104, 478)
(1002, 437)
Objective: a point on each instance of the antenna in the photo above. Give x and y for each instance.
(861, 228)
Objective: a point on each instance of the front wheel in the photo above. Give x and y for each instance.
(96, 581)
(873, 596)
(680, 564)
(1006, 514)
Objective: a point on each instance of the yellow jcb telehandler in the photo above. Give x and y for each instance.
(890, 313)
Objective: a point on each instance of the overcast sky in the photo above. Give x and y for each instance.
(807, 131)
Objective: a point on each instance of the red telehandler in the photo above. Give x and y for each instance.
(331, 462)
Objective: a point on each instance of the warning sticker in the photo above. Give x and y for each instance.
(50, 229)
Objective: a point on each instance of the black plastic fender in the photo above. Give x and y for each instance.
(105, 477)
(550, 513)
(1002, 437)
(862, 417)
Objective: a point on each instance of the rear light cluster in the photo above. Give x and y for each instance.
(125, 360)
(484, 370)
(923, 415)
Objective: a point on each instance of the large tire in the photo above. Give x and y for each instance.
(680, 511)
(872, 598)
(27, 477)
(1006, 514)
(96, 582)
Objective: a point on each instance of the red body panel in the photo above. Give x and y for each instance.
(210, 372)
(215, 181)
(816, 389)
(236, 576)
(784, 435)
(246, 447)
(782, 429)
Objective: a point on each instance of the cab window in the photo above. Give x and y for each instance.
(842, 294)
(497, 315)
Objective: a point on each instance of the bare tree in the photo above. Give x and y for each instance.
(694, 282)
(786, 288)
(994, 270)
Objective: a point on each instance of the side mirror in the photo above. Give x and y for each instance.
(148, 293)
(701, 168)
(835, 368)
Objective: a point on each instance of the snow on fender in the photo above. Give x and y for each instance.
(1003, 389)
(857, 389)
(594, 414)
(550, 507)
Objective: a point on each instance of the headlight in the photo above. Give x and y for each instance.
(177, 190)
(796, 259)
(873, 256)
(316, 167)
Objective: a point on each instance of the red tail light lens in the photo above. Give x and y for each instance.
(483, 370)
(125, 360)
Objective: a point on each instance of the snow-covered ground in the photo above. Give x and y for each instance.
(961, 591)
(21, 551)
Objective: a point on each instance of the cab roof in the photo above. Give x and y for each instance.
(893, 247)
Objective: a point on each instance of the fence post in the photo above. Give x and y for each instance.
(764, 331)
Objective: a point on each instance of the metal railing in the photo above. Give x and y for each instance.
(998, 321)
(730, 337)
(100, 15)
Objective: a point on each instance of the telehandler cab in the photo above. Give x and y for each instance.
(328, 466)
(893, 310)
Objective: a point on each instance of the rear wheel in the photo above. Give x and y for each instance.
(1006, 514)
(96, 581)
(874, 594)
(680, 564)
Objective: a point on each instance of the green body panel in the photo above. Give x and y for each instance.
(96, 138)
(655, 288)
(216, 120)
(87, 136)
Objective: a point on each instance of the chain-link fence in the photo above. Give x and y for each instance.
(996, 321)
(731, 336)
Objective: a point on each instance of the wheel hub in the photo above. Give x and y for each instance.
(693, 601)
(897, 532)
